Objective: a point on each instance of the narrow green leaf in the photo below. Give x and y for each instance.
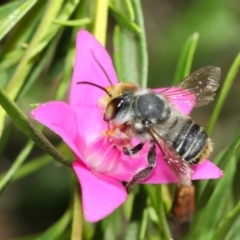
(130, 53)
(224, 93)
(11, 14)
(186, 58)
(44, 31)
(57, 230)
(67, 69)
(212, 185)
(142, 44)
(132, 231)
(130, 10)
(123, 21)
(226, 224)
(15, 166)
(10, 59)
(100, 21)
(29, 129)
(74, 23)
(222, 164)
(40, 66)
(39, 162)
(30, 167)
(161, 213)
(143, 225)
(213, 210)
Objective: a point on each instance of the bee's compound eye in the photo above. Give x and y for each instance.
(113, 108)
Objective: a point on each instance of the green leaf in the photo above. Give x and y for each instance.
(213, 210)
(100, 21)
(224, 93)
(226, 224)
(29, 129)
(11, 13)
(30, 167)
(123, 21)
(186, 58)
(37, 163)
(143, 225)
(40, 66)
(74, 23)
(225, 162)
(44, 31)
(129, 9)
(130, 53)
(161, 213)
(132, 231)
(15, 166)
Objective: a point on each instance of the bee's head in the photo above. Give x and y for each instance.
(119, 106)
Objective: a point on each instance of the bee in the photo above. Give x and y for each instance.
(151, 116)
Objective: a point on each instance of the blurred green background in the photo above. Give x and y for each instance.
(33, 203)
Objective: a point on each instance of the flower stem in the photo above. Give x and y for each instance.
(77, 214)
(100, 23)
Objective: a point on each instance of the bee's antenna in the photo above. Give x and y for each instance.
(104, 71)
(98, 86)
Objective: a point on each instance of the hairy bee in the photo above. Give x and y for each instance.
(151, 116)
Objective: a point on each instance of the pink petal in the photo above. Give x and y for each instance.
(180, 98)
(84, 98)
(129, 165)
(101, 195)
(102, 155)
(206, 170)
(162, 173)
(60, 118)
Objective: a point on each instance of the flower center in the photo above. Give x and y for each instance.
(102, 155)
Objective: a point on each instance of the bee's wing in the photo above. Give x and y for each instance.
(201, 83)
(179, 166)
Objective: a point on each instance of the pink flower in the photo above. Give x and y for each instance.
(99, 166)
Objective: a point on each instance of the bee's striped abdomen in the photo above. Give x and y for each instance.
(192, 143)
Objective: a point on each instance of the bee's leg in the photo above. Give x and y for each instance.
(143, 174)
(134, 150)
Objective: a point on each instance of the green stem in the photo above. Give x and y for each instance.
(77, 214)
(29, 129)
(100, 23)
